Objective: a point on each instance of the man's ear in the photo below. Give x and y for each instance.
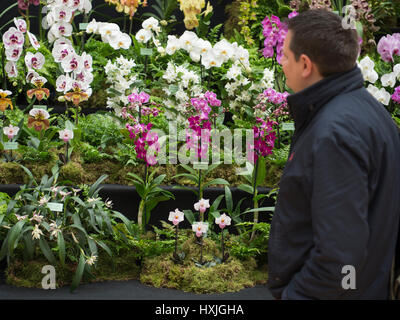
(307, 66)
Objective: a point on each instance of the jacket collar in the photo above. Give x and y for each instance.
(304, 104)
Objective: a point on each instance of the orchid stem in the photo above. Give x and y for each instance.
(66, 153)
(255, 202)
(201, 249)
(3, 67)
(176, 239)
(222, 243)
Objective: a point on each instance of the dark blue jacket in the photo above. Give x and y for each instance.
(339, 197)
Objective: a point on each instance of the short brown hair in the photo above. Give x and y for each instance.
(319, 34)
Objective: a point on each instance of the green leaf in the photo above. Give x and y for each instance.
(95, 185)
(217, 201)
(261, 171)
(44, 246)
(158, 180)
(136, 177)
(191, 177)
(190, 169)
(187, 188)
(105, 247)
(260, 209)
(189, 216)
(216, 181)
(246, 188)
(29, 246)
(14, 234)
(78, 273)
(61, 248)
(228, 199)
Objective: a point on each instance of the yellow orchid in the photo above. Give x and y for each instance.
(127, 6)
(76, 96)
(5, 102)
(191, 8)
(39, 92)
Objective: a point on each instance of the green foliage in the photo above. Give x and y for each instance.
(100, 130)
(211, 277)
(150, 193)
(243, 248)
(90, 154)
(280, 156)
(73, 232)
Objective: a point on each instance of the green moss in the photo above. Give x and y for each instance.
(11, 172)
(28, 274)
(72, 171)
(233, 275)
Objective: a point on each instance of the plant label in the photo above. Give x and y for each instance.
(40, 106)
(146, 51)
(53, 206)
(83, 26)
(200, 165)
(173, 88)
(10, 145)
(288, 126)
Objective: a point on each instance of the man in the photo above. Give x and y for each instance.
(334, 230)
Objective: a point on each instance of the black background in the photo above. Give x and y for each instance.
(219, 15)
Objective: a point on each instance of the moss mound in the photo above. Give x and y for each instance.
(231, 276)
(29, 274)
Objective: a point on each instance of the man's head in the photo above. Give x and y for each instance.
(316, 47)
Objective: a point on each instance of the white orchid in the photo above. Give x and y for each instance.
(211, 59)
(367, 69)
(13, 53)
(72, 62)
(379, 94)
(34, 61)
(36, 233)
(233, 72)
(388, 80)
(188, 40)
(173, 45)
(84, 77)
(11, 69)
(63, 83)
(13, 38)
(151, 24)
(396, 70)
(200, 228)
(108, 30)
(176, 216)
(92, 27)
(66, 135)
(143, 35)
(61, 51)
(223, 49)
(20, 24)
(121, 40)
(223, 221)
(54, 229)
(11, 131)
(90, 261)
(33, 40)
(61, 29)
(202, 205)
(62, 13)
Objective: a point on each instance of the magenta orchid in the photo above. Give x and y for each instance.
(275, 33)
(264, 139)
(389, 46)
(144, 139)
(396, 95)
